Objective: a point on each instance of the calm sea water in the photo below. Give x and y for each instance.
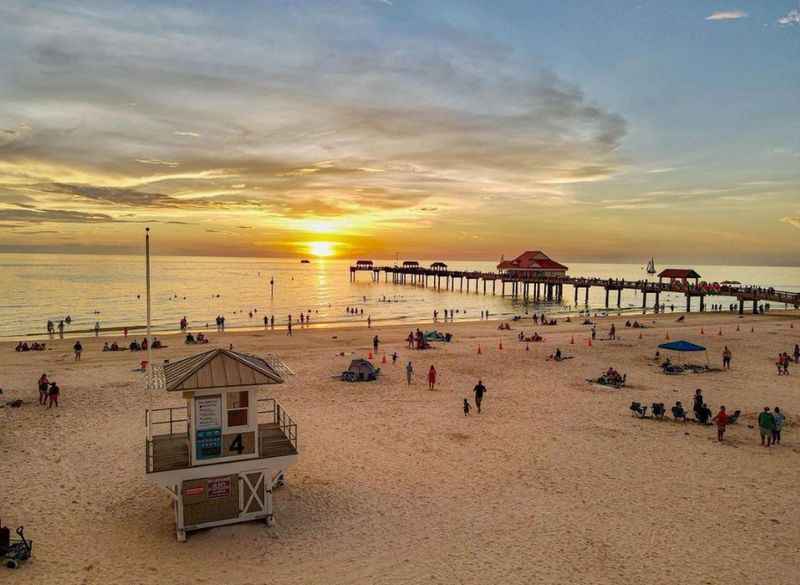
(111, 290)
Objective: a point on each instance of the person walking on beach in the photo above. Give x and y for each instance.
(409, 373)
(43, 385)
(766, 424)
(272, 321)
(394, 358)
(721, 419)
(410, 340)
(375, 343)
(785, 361)
(594, 332)
(726, 358)
(797, 353)
(53, 394)
(61, 329)
(431, 378)
(369, 320)
(289, 327)
(777, 424)
(479, 391)
(97, 328)
(612, 334)
(50, 328)
(467, 407)
(266, 321)
(77, 348)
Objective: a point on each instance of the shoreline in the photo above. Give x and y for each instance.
(116, 331)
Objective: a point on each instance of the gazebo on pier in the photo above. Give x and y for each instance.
(680, 274)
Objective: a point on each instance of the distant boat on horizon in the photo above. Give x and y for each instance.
(304, 261)
(651, 267)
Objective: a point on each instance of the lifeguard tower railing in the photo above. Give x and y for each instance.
(168, 442)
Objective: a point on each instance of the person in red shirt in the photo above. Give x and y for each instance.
(431, 378)
(722, 421)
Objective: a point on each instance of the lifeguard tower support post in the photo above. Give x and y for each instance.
(221, 454)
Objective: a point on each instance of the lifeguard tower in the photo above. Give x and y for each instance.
(222, 453)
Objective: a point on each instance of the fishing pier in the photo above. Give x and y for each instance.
(536, 278)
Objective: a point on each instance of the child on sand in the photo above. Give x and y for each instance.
(467, 407)
(53, 393)
(722, 420)
(77, 348)
(726, 358)
(409, 373)
(431, 378)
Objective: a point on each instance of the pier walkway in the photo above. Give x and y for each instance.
(551, 288)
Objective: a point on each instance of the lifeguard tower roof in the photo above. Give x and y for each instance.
(220, 368)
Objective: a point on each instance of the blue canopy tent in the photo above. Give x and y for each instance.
(683, 346)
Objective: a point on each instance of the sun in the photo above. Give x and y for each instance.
(321, 249)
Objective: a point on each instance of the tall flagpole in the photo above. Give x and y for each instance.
(147, 277)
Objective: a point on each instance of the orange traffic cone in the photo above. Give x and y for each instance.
(590, 342)
(572, 340)
(369, 356)
(479, 350)
(383, 360)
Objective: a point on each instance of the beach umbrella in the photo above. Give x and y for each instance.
(683, 346)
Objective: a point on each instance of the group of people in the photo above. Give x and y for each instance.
(34, 346)
(51, 328)
(533, 338)
(782, 363)
(200, 338)
(612, 377)
(416, 340)
(48, 392)
(220, 320)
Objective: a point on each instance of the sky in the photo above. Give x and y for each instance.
(596, 131)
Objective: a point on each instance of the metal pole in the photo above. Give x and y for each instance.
(147, 277)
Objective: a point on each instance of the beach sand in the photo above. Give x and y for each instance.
(555, 482)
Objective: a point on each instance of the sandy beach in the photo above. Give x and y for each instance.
(555, 482)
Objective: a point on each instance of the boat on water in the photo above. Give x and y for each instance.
(651, 267)
(304, 261)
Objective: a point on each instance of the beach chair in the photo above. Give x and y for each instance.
(638, 410)
(678, 413)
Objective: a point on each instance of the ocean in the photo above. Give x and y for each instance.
(111, 290)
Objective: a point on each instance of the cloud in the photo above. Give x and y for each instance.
(36, 216)
(155, 161)
(727, 15)
(792, 18)
(793, 221)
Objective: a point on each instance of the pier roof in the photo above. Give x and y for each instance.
(532, 260)
(678, 273)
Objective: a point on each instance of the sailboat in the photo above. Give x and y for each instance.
(651, 267)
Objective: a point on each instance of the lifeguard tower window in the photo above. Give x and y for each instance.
(237, 405)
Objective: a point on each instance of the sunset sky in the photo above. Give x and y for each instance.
(595, 130)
